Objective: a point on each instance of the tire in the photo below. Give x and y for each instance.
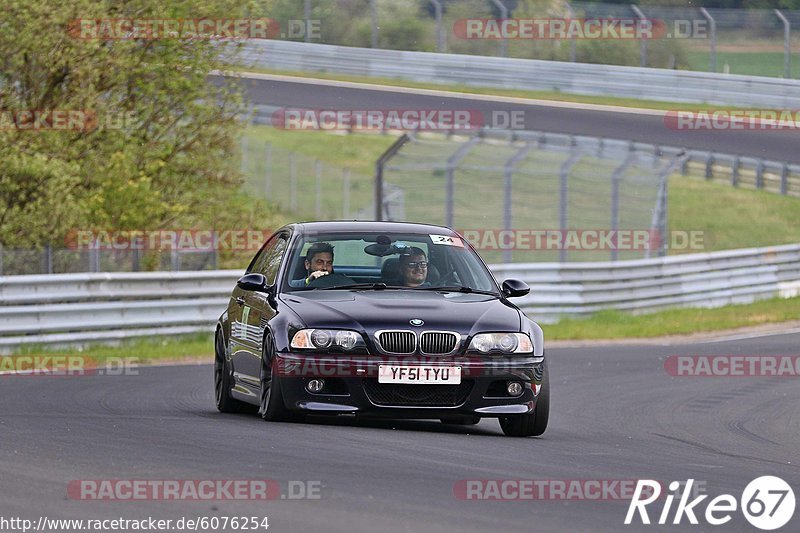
(461, 420)
(223, 380)
(272, 407)
(533, 424)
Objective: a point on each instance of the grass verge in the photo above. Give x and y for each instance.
(140, 351)
(678, 321)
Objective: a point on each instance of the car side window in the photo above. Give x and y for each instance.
(270, 262)
(258, 260)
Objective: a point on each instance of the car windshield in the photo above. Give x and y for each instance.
(381, 260)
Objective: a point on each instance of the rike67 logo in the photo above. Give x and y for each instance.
(767, 503)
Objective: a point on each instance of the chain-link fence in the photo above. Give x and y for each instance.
(739, 41)
(530, 196)
(55, 260)
(306, 187)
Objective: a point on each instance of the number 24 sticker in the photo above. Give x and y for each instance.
(446, 240)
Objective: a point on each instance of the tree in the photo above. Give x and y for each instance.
(155, 141)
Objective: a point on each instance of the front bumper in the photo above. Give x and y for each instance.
(352, 386)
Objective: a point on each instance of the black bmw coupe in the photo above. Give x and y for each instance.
(379, 319)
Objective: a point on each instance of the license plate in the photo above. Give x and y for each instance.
(420, 375)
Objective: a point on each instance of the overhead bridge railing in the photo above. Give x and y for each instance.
(76, 308)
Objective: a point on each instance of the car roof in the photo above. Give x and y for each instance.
(371, 226)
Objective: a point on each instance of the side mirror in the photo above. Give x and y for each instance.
(514, 287)
(253, 282)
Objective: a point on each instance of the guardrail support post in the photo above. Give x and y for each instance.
(787, 52)
(735, 171)
(508, 175)
(712, 27)
(642, 41)
(245, 149)
(268, 172)
(450, 181)
(379, 165)
(785, 179)
(573, 50)
(374, 11)
(504, 15)
(318, 200)
(47, 259)
(437, 6)
(563, 199)
(345, 193)
(292, 183)
(307, 17)
(615, 178)
(760, 174)
(710, 166)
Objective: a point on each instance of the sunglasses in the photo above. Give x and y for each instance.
(417, 264)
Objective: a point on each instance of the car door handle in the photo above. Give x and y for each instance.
(240, 300)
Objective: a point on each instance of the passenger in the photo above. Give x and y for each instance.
(414, 268)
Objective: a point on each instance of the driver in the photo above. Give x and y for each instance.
(414, 267)
(318, 262)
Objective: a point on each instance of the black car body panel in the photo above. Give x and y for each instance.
(422, 317)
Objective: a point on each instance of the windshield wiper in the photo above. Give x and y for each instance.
(374, 286)
(457, 288)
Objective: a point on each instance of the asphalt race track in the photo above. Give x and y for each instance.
(616, 415)
(779, 145)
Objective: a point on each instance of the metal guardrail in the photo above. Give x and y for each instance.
(74, 308)
(70, 308)
(530, 74)
(697, 280)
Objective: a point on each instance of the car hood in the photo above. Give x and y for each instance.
(369, 311)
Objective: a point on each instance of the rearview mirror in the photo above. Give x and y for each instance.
(514, 287)
(253, 282)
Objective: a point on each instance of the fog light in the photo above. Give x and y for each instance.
(514, 388)
(315, 385)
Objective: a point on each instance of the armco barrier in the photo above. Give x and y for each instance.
(531, 74)
(73, 308)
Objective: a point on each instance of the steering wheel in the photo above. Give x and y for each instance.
(451, 277)
(330, 280)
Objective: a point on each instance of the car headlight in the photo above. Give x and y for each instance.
(501, 342)
(325, 339)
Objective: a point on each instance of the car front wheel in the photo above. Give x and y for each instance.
(533, 424)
